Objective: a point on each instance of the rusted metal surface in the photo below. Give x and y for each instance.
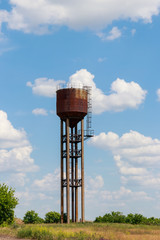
(72, 103)
(82, 171)
(67, 172)
(62, 169)
(76, 178)
(72, 176)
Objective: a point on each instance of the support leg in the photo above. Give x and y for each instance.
(67, 171)
(76, 178)
(82, 170)
(72, 175)
(62, 189)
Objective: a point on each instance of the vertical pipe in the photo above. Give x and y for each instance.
(62, 204)
(72, 173)
(82, 170)
(67, 170)
(76, 178)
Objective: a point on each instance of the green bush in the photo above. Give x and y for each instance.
(7, 204)
(129, 218)
(98, 219)
(39, 233)
(138, 218)
(113, 217)
(32, 217)
(135, 218)
(153, 221)
(117, 217)
(52, 217)
(43, 233)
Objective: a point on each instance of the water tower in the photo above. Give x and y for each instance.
(73, 104)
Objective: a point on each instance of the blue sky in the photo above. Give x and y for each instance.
(111, 46)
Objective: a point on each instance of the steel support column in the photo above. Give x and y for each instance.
(67, 172)
(72, 174)
(62, 190)
(76, 176)
(82, 170)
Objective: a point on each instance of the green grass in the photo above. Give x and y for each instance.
(55, 232)
(8, 231)
(88, 231)
(40, 233)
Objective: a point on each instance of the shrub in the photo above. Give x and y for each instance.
(39, 233)
(7, 204)
(153, 221)
(32, 217)
(114, 217)
(135, 218)
(99, 219)
(129, 218)
(52, 217)
(118, 217)
(107, 218)
(138, 218)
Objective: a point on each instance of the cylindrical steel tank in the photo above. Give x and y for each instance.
(72, 104)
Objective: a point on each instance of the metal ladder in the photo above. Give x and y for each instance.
(89, 110)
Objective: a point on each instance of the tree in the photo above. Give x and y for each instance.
(138, 218)
(7, 203)
(32, 217)
(129, 218)
(52, 217)
(118, 217)
(99, 219)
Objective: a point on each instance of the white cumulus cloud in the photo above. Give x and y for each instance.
(9, 136)
(158, 94)
(101, 59)
(45, 87)
(133, 146)
(124, 194)
(123, 94)
(126, 169)
(49, 182)
(113, 34)
(41, 15)
(136, 156)
(96, 193)
(40, 111)
(17, 160)
(15, 149)
(96, 183)
(133, 32)
(18, 179)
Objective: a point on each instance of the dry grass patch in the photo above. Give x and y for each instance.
(90, 231)
(96, 231)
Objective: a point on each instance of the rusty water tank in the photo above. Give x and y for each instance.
(72, 103)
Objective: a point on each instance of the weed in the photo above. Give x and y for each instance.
(15, 225)
(35, 233)
(88, 231)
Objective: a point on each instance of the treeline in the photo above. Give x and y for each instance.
(113, 217)
(50, 217)
(118, 217)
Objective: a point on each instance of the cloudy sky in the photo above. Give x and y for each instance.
(112, 46)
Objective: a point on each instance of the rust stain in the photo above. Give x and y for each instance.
(72, 103)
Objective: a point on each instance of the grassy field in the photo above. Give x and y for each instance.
(92, 231)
